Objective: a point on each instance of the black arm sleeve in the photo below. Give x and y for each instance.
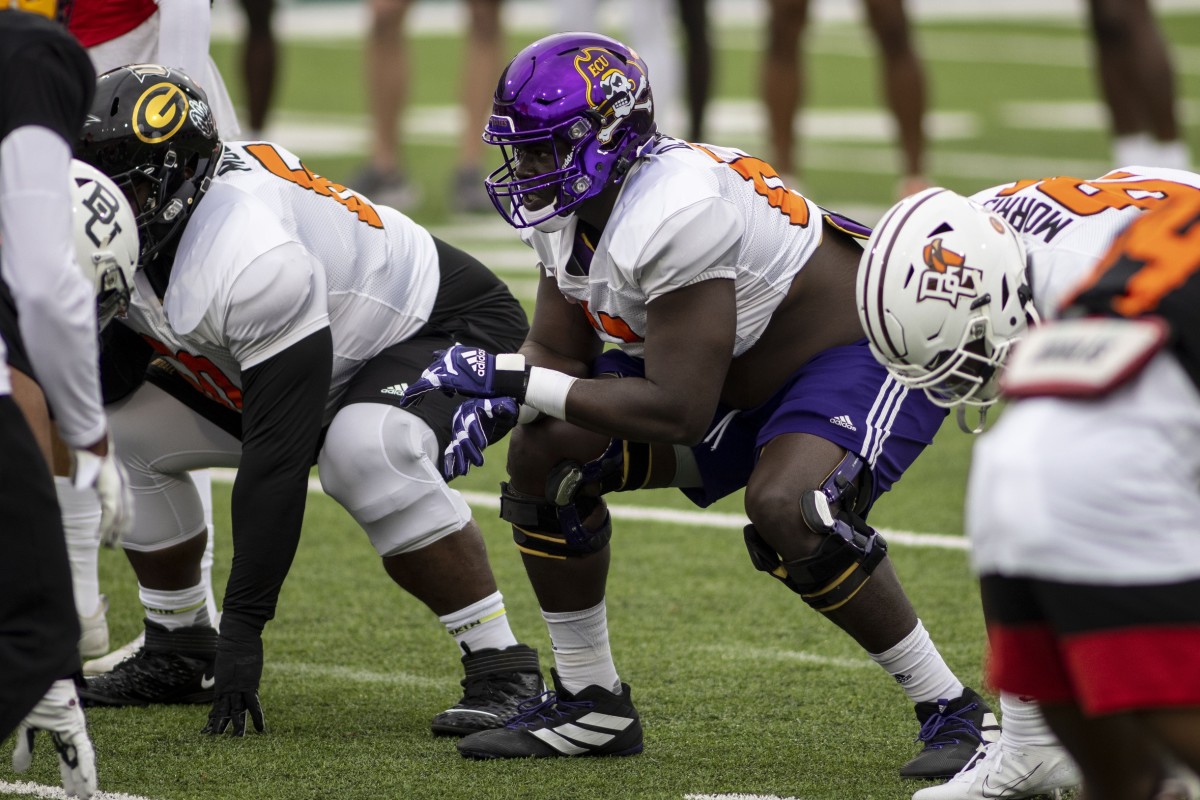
(283, 404)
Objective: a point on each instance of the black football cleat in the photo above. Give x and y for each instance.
(592, 722)
(172, 667)
(496, 682)
(953, 732)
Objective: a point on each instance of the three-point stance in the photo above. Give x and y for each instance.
(741, 363)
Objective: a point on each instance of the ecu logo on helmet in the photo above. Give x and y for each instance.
(612, 92)
(159, 113)
(948, 278)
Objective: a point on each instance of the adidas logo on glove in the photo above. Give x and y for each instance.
(476, 360)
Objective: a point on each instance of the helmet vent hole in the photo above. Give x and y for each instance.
(940, 229)
(1004, 292)
(116, 105)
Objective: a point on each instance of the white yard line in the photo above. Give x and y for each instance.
(698, 519)
(27, 789)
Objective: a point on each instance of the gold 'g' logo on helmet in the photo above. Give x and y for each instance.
(159, 113)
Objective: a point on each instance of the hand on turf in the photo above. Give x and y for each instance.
(60, 714)
(237, 674)
(477, 423)
(470, 372)
(106, 475)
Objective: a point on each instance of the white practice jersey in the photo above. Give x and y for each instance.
(1050, 495)
(1067, 224)
(687, 213)
(274, 253)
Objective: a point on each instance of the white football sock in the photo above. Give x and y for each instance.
(919, 668)
(1131, 150)
(1022, 723)
(203, 480)
(481, 625)
(581, 653)
(175, 609)
(81, 524)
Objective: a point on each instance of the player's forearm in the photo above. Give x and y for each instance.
(284, 405)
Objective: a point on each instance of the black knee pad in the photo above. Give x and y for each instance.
(542, 528)
(842, 564)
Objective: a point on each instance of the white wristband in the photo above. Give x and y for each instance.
(547, 391)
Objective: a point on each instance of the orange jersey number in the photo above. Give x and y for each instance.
(1085, 198)
(766, 180)
(1164, 246)
(202, 374)
(305, 178)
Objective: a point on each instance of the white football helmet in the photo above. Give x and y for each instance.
(943, 294)
(106, 238)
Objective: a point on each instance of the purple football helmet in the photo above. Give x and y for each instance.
(584, 96)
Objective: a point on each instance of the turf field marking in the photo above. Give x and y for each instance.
(739, 653)
(356, 675)
(697, 519)
(29, 789)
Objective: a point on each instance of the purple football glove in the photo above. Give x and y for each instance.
(471, 372)
(477, 423)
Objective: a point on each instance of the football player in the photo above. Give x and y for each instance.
(946, 287)
(48, 318)
(296, 310)
(1084, 514)
(740, 362)
(174, 32)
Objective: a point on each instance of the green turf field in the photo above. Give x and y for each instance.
(743, 691)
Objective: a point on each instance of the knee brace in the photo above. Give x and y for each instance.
(622, 467)
(541, 528)
(848, 554)
(379, 463)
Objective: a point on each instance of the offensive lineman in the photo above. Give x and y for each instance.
(741, 359)
(946, 287)
(298, 309)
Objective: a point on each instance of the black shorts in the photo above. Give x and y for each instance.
(473, 307)
(39, 631)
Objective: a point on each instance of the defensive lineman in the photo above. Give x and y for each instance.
(946, 287)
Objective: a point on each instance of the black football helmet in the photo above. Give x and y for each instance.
(151, 130)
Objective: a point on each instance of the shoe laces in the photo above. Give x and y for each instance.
(547, 707)
(940, 729)
(147, 673)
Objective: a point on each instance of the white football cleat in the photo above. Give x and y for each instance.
(93, 631)
(101, 666)
(1009, 773)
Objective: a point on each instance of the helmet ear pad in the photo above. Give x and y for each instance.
(151, 130)
(942, 294)
(588, 92)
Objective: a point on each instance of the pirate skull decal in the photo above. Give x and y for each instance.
(615, 88)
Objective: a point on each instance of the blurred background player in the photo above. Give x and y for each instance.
(174, 32)
(901, 72)
(682, 104)
(1137, 82)
(260, 65)
(1091, 591)
(384, 178)
(947, 285)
